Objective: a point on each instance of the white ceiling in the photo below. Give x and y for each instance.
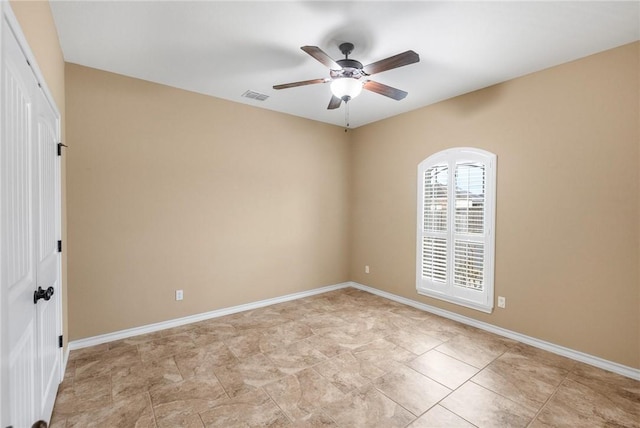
(226, 48)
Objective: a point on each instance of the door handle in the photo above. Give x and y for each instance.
(42, 294)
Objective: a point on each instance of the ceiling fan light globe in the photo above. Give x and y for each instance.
(346, 88)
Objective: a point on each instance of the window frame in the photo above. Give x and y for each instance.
(447, 291)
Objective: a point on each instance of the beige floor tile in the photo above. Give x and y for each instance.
(249, 342)
(485, 408)
(58, 421)
(402, 323)
(477, 351)
(104, 363)
(295, 310)
(223, 325)
(439, 417)
(410, 389)
(369, 408)
(482, 335)
(346, 358)
(347, 373)
(136, 340)
(295, 357)
(185, 328)
(70, 371)
(201, 361)
(443, 369)
(443, 325)
(440, 328)
(91, 351)
(140, 377)
(623, 392)
(96, 368)
(212, 331)
(329, 347)
(253, 409)
(371, 307)
(134, 411)
(349, 337)
(383, 354)
(543, 356)
(83, 395)
(342, 303)
(414, 341)
(179, 404)
(182, 419)
(320, 305)
(304, 393)
(525, 380)
(261, 318)
(248, 374)
(322, 320)
(576, 404)
(370, 320)
(593, 376)
(412, 313)
(442, 334)
(165, 346)
(289, 332)
(315, 420)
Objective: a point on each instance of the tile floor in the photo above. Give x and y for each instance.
(341, 359)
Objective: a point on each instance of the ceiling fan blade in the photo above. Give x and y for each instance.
(385, 90)
(400, 60)
(334, 103)
(302, 83)
(321, 56)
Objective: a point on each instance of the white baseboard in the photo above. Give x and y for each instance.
(150, 328)
(547, 346)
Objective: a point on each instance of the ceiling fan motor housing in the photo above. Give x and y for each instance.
(350, 68)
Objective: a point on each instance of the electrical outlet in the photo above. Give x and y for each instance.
(179, 295)
(502, 302)
(366, 269)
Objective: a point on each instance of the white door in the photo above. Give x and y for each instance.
(29, 230)
(47, 256)
(18, 230)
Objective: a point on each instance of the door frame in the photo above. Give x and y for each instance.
(7, 17)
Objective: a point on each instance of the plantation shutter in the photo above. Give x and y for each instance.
(435, 227)
(455, 242)
(468, 251)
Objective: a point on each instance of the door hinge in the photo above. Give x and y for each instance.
(60, 341)
(60, 146)
(59, 246)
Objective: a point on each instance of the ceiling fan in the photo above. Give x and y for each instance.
(348, 77)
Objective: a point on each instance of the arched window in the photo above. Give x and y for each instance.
(456, 227)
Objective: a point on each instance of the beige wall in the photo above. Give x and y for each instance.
(171, 190)
(567, 238)
(37, 24)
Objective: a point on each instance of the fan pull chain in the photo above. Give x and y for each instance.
(346, 115)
